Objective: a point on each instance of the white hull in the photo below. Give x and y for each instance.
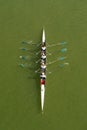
(42, 96)
(43, 36)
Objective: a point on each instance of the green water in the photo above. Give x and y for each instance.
(66, 90)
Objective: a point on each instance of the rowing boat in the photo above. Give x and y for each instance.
(43, 81)
(42, 69)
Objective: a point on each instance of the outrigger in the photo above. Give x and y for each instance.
(43, 69)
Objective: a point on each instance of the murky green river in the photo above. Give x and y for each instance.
(66, 89)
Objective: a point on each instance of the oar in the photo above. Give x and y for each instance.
(64, 64)
(61, 43)
(22, 65)
(24, 42)
(63, 50)
(24, 49)
(38, 61)
(61, 58)
(23, 57)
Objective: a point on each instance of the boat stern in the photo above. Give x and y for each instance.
(42, 96)
(42, 93)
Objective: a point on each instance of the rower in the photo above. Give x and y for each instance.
(43, 66)
(43, 76)
(43, 81)
(43, 52)
(42, 61)
(43, 47)
(43, 56)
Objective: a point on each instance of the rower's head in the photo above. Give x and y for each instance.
(43, 54)
(42, 63)
(42, 73)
